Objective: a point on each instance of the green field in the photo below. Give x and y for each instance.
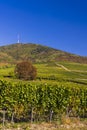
(51, 72)
(59, 87)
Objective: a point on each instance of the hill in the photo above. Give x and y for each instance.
(57, 95)
(37, 53)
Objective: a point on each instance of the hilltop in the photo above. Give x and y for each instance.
(36, 53)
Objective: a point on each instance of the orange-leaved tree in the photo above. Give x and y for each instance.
(25, 70)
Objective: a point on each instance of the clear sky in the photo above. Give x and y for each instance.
(60, 24)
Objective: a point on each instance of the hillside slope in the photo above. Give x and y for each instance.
(37, 53)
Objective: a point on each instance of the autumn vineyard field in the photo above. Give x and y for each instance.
(59, 90)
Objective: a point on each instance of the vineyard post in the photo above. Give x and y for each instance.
(67, 112)
(3, 119)
(32, 114)
(51, 115)
(12, 118)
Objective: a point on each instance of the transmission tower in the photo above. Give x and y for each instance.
(18, 37)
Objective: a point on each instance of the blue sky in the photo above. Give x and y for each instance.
(60, 24)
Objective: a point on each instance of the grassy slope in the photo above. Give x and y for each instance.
(37, 53)
(51, 73)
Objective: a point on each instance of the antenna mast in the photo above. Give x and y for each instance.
(18, 38)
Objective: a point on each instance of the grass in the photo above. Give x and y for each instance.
(66, 124)
(75, 66)
(50, 73)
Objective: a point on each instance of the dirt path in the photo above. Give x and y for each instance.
(63, 67)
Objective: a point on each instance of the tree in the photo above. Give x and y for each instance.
(25, 70)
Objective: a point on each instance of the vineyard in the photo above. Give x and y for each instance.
(42, 102)
(54, 93)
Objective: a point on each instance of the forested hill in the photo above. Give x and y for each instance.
(37, 53)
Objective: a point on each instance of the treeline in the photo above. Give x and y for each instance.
(41, 102)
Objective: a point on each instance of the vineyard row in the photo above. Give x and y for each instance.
(28, 102)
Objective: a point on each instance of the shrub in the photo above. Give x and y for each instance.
(25, 70)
